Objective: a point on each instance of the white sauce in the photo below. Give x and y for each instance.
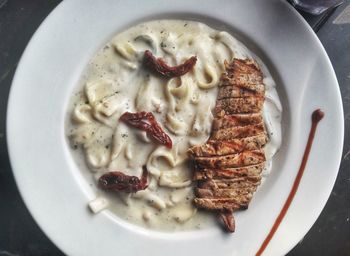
(115, 82)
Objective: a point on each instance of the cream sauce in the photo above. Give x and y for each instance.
(115, 82)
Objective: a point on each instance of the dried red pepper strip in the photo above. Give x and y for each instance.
(147, 122)
(118, 181)
(159, 66)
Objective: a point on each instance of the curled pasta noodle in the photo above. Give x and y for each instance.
(97, 155)
(195, 98)
(148, 40)
(98, 89)
(179, 195)
(224, 44)
(175, 125)
(203, 120)
(129, 65)
(169, 180)
(152, 199)
(128, 151)
(118, 142)
(142, 136)
(83, 134)
(99, 116)
(158, 156)
(152, 184)
(210, 76)
(225, 38)
(82, 114)
(171, 100)
(221, 57)
(183, 213)
(143, 98)
(239, 51)
(181, 91)
(108, 105)
(175, 177)
(125, 50)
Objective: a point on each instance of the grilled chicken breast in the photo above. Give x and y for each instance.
(228, 166)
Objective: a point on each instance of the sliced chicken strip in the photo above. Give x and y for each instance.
(245, 82)
(228, 220)
(227, 147)
(230, 204)
(247, 66)
(236, 120)
(238, 106)
(234, 91)
(229, 184)
(235, 160)
(242, 73)
(205, 174)
(225, 193)
(237, 132)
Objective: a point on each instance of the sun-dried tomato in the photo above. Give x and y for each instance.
(147, 122)
(120, 182)
(159, 66)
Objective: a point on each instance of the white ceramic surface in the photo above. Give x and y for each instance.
(57, 194)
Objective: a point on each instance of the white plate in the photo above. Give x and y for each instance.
(56, 193)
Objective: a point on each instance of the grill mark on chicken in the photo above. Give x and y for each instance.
(238, 105)
(228, 166)
(226, 147)
(251, 84)
(240, 182)
(251, 170)
(235, 160)
(239, 132)
(236, 120)
(224, 193)
(230, 204)
(244, 74)
(228, 184)
(233, 91)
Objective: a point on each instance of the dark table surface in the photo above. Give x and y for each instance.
(20, 235)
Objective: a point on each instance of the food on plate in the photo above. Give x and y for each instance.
(152, 94)
(228, 166)
(147, 122)
(159, 66)
(118, 181)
